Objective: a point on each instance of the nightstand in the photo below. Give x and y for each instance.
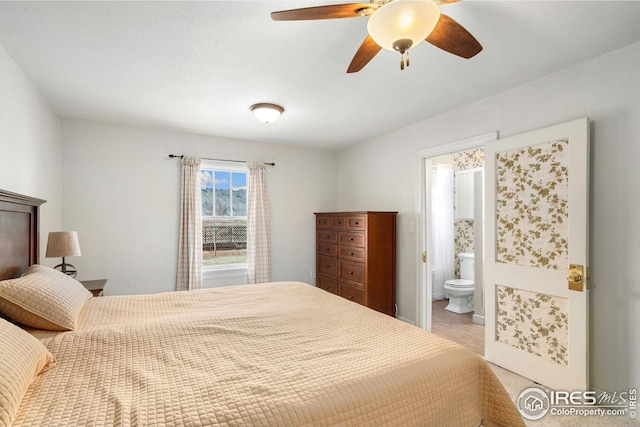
(95, 286)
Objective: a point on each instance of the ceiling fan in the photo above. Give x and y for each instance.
(394, 25)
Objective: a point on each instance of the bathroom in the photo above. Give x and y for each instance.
(456, 231)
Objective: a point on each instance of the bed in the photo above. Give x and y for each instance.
(274, 354)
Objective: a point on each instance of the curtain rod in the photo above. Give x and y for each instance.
(181, 156)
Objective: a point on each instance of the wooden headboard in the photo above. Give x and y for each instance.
(19, 219)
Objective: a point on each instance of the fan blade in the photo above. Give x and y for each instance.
(444, 2)
(368, 49)
(332, 11)
(454, 38)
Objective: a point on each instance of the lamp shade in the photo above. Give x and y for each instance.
(63, 244)
(267, 113)
(399, 21)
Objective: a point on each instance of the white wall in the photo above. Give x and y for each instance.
(121, 193)
(381, 174)
(30, 147)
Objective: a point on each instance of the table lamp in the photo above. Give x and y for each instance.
(63, 244)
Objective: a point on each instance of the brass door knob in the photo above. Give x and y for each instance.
(574, 277)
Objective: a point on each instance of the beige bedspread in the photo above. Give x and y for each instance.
(277, 354)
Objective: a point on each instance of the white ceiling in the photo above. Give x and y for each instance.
(198, 66)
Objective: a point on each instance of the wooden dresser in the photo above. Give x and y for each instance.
(356, 257)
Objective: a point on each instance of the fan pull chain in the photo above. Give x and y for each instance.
(404, 59)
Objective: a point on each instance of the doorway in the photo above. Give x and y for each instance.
(456, 220)
(450, 300)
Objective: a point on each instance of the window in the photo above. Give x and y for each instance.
(224, 215)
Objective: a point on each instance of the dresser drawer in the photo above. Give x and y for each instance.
(326, 236)
(328, 266)
(351, 271)
(351, 238)
(356, 222)
(323, 221)
(351, 253)
(352, 293)
(327, 249)
(339, 222)
(329, 285)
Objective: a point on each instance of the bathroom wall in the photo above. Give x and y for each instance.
(469, 159)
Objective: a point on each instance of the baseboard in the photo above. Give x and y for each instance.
(411, 322)
(478, 319)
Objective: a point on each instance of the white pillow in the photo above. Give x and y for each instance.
(22, 358)
(43, 298)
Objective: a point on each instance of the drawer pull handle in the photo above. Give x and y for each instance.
(350, 297)
(357, 223)
(351, 273)
(351, 239)
(328, 249)
(351, 253)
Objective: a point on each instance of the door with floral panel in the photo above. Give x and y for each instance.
(536, 255)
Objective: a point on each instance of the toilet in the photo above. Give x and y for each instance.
(460, 291)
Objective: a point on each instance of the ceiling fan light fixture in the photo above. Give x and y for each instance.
(266, 112)
(402, 20)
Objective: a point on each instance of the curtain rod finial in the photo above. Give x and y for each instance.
(175, 155)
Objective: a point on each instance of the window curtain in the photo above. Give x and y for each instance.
(258, 226)
(190, 239)
(443, 230)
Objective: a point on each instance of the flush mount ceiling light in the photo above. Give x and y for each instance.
(401, 24)
(266, 112)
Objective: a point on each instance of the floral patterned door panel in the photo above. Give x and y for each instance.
(533, 322)
(532, 230)
(532, 206)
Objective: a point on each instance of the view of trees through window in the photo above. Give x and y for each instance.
(224, 217)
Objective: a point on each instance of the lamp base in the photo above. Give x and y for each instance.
(67, 269)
